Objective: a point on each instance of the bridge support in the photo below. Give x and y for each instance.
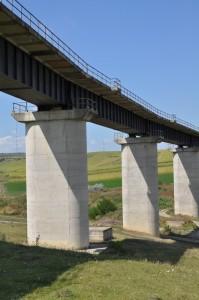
(57, 182)
(186, 181)
(140, 184)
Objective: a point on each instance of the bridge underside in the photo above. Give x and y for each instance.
(24, 77)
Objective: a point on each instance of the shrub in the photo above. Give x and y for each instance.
(118, 246)
(96, 187)
(103, 207)
(93, 212)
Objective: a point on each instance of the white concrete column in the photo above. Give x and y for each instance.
(57, 181)
(140, 184)
(186, 181)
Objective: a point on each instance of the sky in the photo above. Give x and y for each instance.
(152, 46)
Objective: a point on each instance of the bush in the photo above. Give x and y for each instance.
(96, 187)
(118, 246)
(93, 212)
(103, 207)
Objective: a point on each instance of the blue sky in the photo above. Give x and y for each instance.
(152, 46)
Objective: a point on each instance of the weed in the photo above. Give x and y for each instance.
(37, 240)
(189, 225)
(167, 230)
(118, 246)
(166, 203)
(3, 203)
(2, 237)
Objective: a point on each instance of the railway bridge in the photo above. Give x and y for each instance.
(36, 66)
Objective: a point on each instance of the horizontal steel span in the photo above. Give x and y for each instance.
(35, 65)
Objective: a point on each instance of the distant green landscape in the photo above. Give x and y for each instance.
(103, 168)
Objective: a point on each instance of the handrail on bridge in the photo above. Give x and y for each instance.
(87, 69)
(22, 107)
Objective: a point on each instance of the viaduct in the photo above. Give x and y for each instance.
(36, 66)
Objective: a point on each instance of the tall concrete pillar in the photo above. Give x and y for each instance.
(57, 182)
(186, 181)
(140, 184)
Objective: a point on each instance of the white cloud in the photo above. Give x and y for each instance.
(10, 143)
(93, 142)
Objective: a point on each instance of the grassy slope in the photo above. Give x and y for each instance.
(12, 170)
(105, 167)
(137, 268)
(101, 166)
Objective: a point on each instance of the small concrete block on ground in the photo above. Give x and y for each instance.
(100, 234)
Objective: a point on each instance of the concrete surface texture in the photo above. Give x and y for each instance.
(140, 184)
(57, 181)
(186, 181)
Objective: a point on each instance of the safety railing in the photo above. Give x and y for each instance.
(84, 103)
(26, 16)
(23, 107)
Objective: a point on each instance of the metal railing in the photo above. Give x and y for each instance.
(22, 107)
(88, 70)
(84, 103)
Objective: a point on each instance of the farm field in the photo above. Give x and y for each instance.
(103, 168)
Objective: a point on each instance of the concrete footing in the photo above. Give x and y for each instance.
(186, 181)
(140, 184)
(57, 181)
(100, 234)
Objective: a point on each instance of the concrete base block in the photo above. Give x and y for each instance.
(100, 234)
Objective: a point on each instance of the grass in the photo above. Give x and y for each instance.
(12, 169)
(109, 183)
(15, 187)
(131, 268)
(165, 178)
(166, 203)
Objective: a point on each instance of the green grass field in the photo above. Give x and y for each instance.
(103, 167)
(132, 267)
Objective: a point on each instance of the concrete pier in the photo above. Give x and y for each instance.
(57, 181)
(186, 181)
(140, 184)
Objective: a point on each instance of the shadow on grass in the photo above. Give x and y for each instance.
(24, 269)
(148, 250)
